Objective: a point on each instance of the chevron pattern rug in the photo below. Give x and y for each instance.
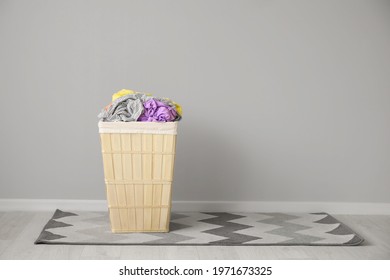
(195, 228)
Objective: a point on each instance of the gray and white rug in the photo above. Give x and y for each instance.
(195, 228)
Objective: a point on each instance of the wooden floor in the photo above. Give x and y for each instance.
(18, 231)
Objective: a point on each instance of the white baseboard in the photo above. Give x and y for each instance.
(358, 208)
(351, 208)
(52, 204)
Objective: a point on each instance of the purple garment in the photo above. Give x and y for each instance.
(157, 111)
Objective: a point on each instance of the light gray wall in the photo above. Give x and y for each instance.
(283, 100)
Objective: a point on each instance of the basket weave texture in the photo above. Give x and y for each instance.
(138, 171)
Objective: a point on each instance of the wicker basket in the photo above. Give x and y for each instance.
(138, 160)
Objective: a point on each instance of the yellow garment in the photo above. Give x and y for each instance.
(121, 93)
(179, 110)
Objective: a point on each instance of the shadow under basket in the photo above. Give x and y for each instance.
(138, 160)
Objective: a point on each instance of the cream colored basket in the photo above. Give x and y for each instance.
(138, 160)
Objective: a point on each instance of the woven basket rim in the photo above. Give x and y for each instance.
(138, 127)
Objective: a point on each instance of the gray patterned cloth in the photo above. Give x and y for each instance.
(127, 108)
(201, 228)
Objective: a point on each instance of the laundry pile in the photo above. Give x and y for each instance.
(131, 106)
